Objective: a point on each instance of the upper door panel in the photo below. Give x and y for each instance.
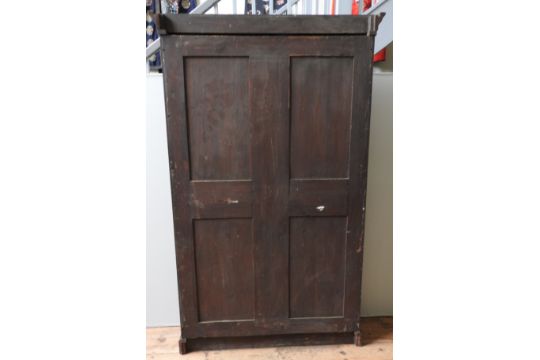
(217, 117)
(321, 94)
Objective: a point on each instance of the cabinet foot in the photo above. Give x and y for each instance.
(357, 338)
(183, 346)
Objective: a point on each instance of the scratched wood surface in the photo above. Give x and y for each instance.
(162, 344)
(268, 141)
(276, 25)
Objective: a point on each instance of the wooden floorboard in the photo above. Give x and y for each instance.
(162, 344)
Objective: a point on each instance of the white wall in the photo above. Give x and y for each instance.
(377, 270)
(161, 287)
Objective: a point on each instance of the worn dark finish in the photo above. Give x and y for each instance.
(211, 158)
(182, 345)
(273, 25)
(358, 338)
(221, 343)
(321, 90)
(317, 273)
(268, 138)
(225, 269)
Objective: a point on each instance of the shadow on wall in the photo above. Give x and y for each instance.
(377, 271)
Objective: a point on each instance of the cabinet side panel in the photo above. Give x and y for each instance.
(363, 75)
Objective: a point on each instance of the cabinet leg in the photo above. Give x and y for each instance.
(357, 338)
(183, 346)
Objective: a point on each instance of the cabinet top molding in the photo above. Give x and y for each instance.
(176, 24)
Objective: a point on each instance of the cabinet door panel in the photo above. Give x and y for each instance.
(321, 94)
(217, 114)
(317, 259)
(225, 275)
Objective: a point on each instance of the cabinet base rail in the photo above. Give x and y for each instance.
(220, 343)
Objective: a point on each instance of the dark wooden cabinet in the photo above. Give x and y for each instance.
(268, 126)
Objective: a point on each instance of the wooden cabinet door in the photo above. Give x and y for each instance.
(268, 139)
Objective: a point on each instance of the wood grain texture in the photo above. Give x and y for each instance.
(321, 94)
(320, 197)
(268, 151)
(361, 111)
(225, 269)
(377, 338)
(218, 123)
(317, 261)
(205, 46)
(179, 165)
(275, 25)
(221, 199)
(269, 326)
(270, 128)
